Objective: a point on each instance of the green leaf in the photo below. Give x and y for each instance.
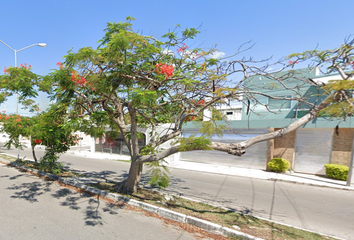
(193, 143)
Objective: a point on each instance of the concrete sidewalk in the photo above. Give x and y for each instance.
(298, 178)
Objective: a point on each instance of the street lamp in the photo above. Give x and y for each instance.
(16, 51)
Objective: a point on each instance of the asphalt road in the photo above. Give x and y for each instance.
(34, 209)
(324, 210)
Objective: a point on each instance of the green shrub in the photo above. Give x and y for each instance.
(159, 174)
(278, 165)
(337, 171)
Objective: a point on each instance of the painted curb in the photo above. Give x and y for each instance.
(178, 217)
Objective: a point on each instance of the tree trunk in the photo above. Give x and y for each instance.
(131, 184)
(34, 153)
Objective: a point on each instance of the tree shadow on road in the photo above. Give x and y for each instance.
(92, 207)
(29, 191)
(105, 175)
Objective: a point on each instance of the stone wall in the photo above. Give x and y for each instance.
(284, 146)
(341, 147)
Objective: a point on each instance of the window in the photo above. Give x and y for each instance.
(229, 113)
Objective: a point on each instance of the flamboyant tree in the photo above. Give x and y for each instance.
(133, 81)
(16, 127)
(48, 128)
(20, 81)
(52, 131)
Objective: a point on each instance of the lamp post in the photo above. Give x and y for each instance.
(16, 51)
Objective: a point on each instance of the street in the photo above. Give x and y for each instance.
(324, 210)
(33, 209)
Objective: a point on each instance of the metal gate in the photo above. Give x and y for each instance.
(312, 150)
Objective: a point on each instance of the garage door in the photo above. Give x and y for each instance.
(255, 156)
(312, 150)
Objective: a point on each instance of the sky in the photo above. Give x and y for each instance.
(276, 27)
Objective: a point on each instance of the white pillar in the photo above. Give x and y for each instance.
(93, 145)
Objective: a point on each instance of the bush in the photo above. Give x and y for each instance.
(49, 163)
(337, 171)
(278, 165)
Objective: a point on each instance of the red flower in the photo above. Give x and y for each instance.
(201, 102)
(190, 118)
(183, 48)
(83, 80)
(60, 64)
(77, 79)
(164, 69)
(73, 76)
(38, 141)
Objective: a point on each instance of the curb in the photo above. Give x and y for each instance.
(166, 213)
(339, 187)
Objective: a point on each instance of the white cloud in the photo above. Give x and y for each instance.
(217, 54)
(168, 52)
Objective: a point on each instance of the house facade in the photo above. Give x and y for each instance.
(321, 141)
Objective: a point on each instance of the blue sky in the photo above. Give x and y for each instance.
(277, 27)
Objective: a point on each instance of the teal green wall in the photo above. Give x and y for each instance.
(270, 86)
(280, 119)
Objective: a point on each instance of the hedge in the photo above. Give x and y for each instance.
(278, 165)
(337, 171)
